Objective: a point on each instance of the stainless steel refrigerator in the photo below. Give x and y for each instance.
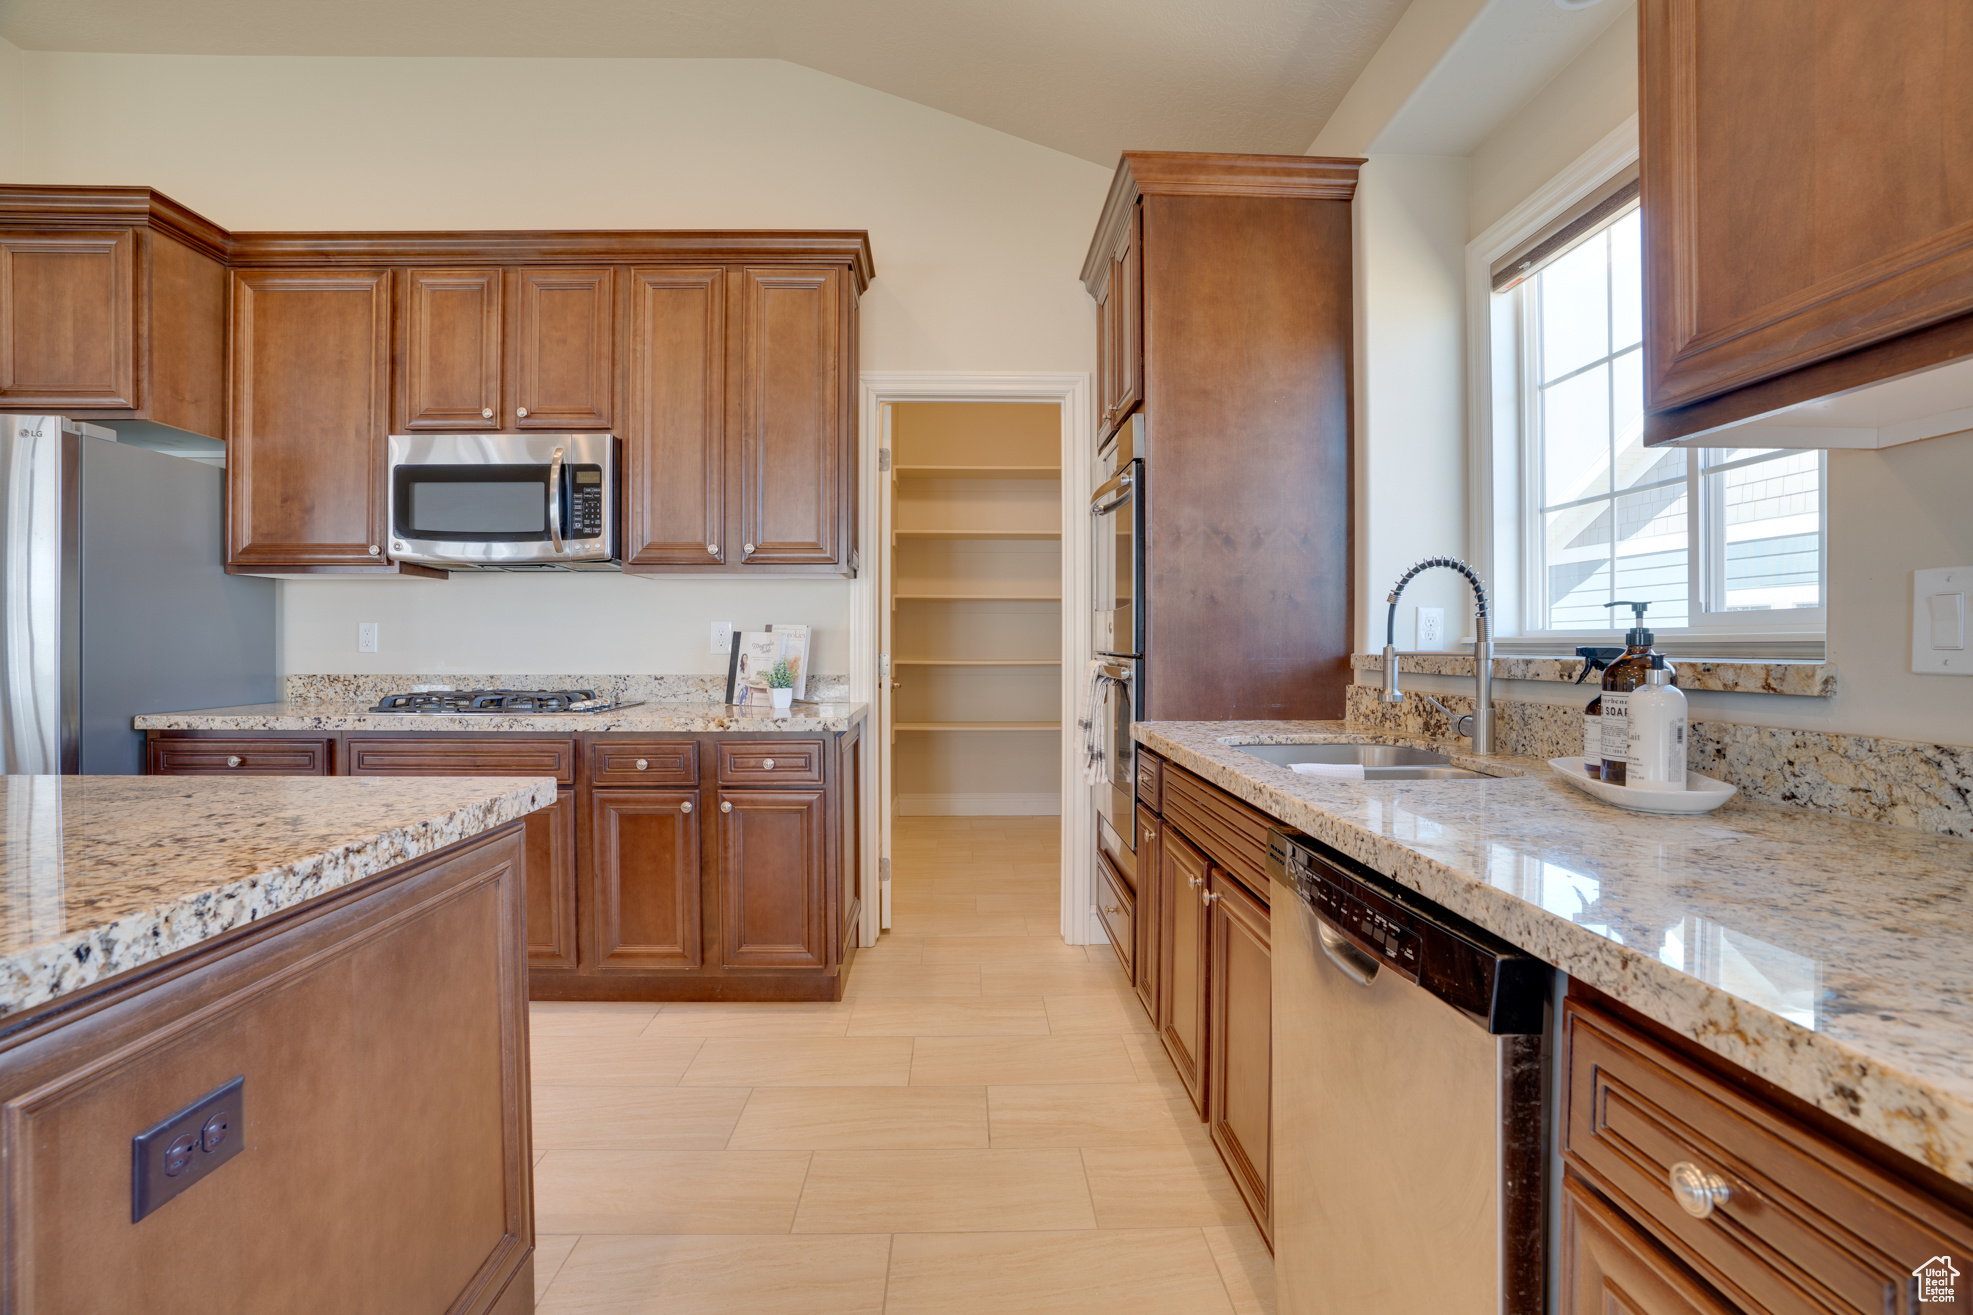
(114, 599)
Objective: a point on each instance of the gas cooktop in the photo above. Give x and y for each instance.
(511, 702)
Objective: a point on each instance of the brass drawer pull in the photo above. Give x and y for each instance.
(768, 764)
(1698, 1191)
(234, 760)
(643, 763)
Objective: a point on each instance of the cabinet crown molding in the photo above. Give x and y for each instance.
(138, 206)
(1195, 173)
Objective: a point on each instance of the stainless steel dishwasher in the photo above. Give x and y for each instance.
(1409, 1065)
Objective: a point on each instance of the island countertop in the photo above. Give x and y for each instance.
(1826, 956)
(675, 718)
(101, 874)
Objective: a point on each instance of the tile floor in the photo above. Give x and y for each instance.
(984, 1124)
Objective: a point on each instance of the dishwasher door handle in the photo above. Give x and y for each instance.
(1337, 948)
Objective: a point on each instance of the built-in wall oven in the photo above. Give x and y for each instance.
(509, 502)
(1117, 530)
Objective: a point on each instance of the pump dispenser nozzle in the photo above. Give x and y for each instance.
(1637, 636)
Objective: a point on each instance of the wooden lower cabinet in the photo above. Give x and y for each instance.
(1149, 901)
(1239, 1038)
(1609, 1268)
(551, 880)
(381, 1031)
(643, 880)
(1182, 954)
(773, 910)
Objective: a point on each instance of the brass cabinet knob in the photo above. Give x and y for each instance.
(233, 760)
(643, 763)
(486, 413)
(1696, 1190)
(374, 550)
(685, 807)
(713, 548)
(767, 763)
(748, 547)
(1193, 882)
(521, 411)
(1149, 835)
(726, 805)
(1208, 896)
(1113, 910)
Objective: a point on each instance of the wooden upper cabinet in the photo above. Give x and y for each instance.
(1120, 328)
(563, 343)
(1807, 182)
(449, 357)
(794, 415)
(674, 447)
(309, 408)
(68, 319)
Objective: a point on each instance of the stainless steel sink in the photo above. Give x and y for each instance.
(1381, 762)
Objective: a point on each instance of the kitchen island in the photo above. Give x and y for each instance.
(263, 1044)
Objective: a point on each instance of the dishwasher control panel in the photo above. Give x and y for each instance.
(1377, 926)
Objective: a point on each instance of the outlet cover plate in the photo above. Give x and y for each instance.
(185, 1148)
(366, 636)
(1941, 599)
(722, 636)
(1431, 629)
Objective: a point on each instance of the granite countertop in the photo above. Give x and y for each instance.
(678, 718)
(1825, 955)
(100, 874)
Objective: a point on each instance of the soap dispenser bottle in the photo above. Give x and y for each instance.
(1624, 675)
(1657, 733)
(1594, 660)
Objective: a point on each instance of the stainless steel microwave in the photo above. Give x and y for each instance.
(504, 502)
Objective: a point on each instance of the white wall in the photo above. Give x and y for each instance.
(13, 112)
(1411, 400)
(978, 238)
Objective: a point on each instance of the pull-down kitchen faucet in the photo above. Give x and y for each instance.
(1479, 723)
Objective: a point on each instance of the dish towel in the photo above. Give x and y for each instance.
(1338, 771)
(1089, 736)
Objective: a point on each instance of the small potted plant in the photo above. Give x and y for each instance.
(781, 684)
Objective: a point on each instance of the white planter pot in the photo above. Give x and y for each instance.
(784, 699)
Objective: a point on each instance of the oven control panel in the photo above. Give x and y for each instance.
(585, 502)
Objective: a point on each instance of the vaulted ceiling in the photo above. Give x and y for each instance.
(1089, 77)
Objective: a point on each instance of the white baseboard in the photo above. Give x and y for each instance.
(1098, 933)
(977, 805)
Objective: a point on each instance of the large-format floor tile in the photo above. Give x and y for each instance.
(549, 1252)
(588, 1017)
(801, 1062)
(1245, 1266)
(1153, 1272)
(1161, 1187)
(1090, 977)
(916, 981)
(933, 926)
(722, 1276)
(614, 1191)
(1017, 947)
(1039, 904)
(733, 1019)
(877, 1118)
(1003, 1016)
(1121, 1114)
(1097, 1015)
(634, 1061)
(1025, 1060)
(939, 1191)
(636, 1118)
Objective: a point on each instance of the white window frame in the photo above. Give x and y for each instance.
(1505, 489)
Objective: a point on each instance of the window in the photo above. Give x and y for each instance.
(1718, 541)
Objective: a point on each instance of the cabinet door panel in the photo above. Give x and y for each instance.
(1116, 905)
(644, 879)
(1240, 1033)
(564, 349)
(793, 475)
(849, 779)
(68, 318)
(1608, 1269)
(310, 357)
(1182, 952)
(551, 911)
(1127, 293)
(1804, 167)
(772, 869)
(450, 353)
(1150, 897)
(675, 448)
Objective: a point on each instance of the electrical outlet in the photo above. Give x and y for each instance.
(1431, 629)
(722, 636)
(184, 1149)
(366, 636)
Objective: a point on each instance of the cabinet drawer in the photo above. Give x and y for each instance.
(1603, 1257)
(239, 758)
(1150, 779)
(644, 762)
(1232, 834)
(1804, 1224)
(475, 757)
(770, 762)
(1118, 908)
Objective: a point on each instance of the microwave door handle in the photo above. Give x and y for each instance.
(555, 502)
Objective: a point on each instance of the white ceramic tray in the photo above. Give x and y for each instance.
(1702, 794)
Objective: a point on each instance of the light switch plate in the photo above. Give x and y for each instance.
(1431, 629)
(1940, 601)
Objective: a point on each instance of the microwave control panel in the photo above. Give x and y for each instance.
(585, 502)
